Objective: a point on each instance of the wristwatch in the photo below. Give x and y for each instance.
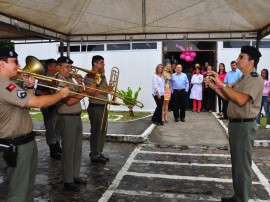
(223, 85)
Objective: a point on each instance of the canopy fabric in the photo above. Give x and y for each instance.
(122, 20)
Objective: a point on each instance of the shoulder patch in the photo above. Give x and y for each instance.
(254, 74)
(11, 87)
(21, 94)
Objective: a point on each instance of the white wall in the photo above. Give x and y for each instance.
(136, 67)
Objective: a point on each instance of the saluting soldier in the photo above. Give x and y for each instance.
(69, 124)
(244, 105)
(18, 149)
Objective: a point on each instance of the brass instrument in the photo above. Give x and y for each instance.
(33, 65)
(35, 69)
(114, 81)
(98, 76)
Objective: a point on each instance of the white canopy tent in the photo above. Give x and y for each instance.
(134, 20)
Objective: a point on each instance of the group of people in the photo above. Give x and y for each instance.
(61, 110)
(169, 89)
(168, 84)
(242, 92)
(203, 96)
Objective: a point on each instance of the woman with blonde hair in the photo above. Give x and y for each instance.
(167, 75)
(158, 94)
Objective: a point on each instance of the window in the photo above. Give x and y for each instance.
(123, 46)
(235, 44)
(89, 48)
(136, 46)
(76, 48)
(263, 44)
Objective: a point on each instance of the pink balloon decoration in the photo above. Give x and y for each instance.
(191, 59)
(187, 58)
(193, 54)
(182, 56)
(187, 53)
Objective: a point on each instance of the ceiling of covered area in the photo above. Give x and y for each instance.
(132, 20)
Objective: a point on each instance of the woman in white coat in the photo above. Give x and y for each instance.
(196, 90)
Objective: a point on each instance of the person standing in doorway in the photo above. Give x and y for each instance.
(222, 74)
(180, 87)
(244, 104)
(208, 93)
(196, 90)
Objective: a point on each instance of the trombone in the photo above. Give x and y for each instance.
(35, 69)
(98, 76)
(113, 81)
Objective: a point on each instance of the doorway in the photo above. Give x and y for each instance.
(205, 52)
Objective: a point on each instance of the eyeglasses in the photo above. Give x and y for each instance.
(242, 56)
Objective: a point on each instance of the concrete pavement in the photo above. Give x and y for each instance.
(187, 161)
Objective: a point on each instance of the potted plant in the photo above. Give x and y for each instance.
(129, 99)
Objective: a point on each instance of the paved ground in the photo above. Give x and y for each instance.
(179, 162)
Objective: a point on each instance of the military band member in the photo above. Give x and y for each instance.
(18, 149)
(50, 113)
(69, 124)
(244, 105)
(97, 111)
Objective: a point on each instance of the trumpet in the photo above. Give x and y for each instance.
(35, 69)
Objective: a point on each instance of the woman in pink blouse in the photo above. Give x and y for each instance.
(265, 103)
(222, 74)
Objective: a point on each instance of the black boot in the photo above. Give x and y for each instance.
(58, 147)
(54, 152)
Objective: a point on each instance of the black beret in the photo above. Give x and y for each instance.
(7, 53)
(251, 51)
(64, 59)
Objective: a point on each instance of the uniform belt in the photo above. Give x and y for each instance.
(97, 105)
(71, 114)
(19, 140)
(242, 120)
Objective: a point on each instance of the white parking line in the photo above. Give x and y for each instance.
(178, 177)
(185, 154)
(109, 192)
(167, 195)
(183, 164)
(264, 181)
(175, 196)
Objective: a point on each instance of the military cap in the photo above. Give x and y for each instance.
(251, 51)
(64, 59)
(50, 61)
(8, 53)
